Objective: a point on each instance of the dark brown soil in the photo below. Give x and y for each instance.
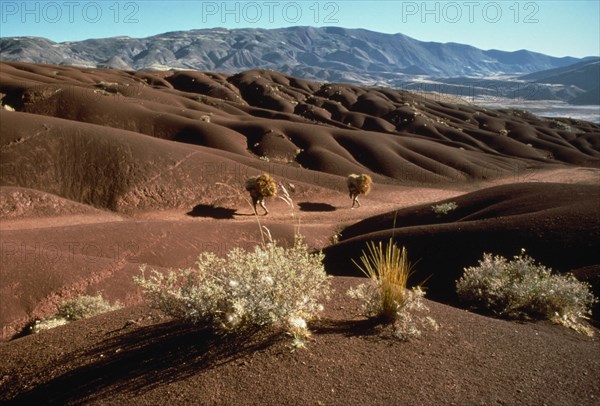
(132, 357)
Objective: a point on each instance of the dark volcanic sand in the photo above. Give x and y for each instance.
(104, 170)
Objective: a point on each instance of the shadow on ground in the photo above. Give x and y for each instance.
(147, 357)
(310, 206)
(143, 359)
(206, 210)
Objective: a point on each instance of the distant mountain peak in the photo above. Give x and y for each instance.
(326, 54)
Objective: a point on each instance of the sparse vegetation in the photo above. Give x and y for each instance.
(270, 287)
(523, 289)
(559, 125)
(82, 307)
(444, 208)
(389, 269)
(385, 297)
(108, 88)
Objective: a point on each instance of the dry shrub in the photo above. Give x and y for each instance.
(82, 307)
(270, 287)
(385, 297)
(522, 289)
(444, 208)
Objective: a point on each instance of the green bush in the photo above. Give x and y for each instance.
(523, 289)
(271, 286)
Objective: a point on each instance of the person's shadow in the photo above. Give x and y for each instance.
(209, 210)
(311, 206)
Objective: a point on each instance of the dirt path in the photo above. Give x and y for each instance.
(58, 221)
(329, 209)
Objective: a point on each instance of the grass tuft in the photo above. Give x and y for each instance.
(388, 268)
(385, 298)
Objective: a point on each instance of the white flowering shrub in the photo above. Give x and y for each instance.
(409, 315)
(82, 307)
(523, 289)
(47, 324)
(271, 286)
(412, 318)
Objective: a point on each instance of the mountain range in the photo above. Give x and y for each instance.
(584, 75)
(326, 54)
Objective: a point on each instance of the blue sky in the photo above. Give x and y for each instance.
(557, 28)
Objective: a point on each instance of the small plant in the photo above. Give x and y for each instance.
(270, 287)
(444, 208)
(385, 298)
(559, 125)
(389, 269)
(47, 324)
(82, 307)
(335, 238)
(108, 88)
(523, 289)
(410, 320)
(85, 307)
